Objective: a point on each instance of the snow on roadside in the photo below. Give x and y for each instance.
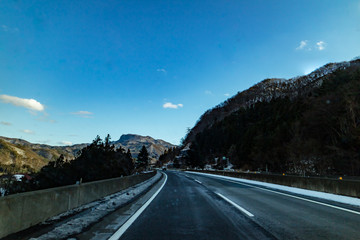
(305, 192)
(97, 210)
(2, 192)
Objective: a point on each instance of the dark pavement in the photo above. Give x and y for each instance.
(187, 209)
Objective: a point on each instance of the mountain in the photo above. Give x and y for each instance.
(267, 90)
(303, 125)
(21, 155)
(135, 142)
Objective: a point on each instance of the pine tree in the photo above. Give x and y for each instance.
(143, 158)
(128, 154)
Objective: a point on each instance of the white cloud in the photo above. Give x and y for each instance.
(302, 45)
(31, 104)
(84, 114)
(320, 45)
(65, 143)
(171, 105)
(5, 123)
(27, 131)
(305, 45)
(227, 94)
(208, 92)
(161, 70)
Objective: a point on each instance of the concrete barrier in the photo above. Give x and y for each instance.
(349, 188)
(23, 210)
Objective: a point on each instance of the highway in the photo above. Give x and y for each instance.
(191, 206)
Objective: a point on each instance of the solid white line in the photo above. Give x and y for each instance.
(304, 199)
(197, 181)
(235, 205)
(289, 195)
(131, 220)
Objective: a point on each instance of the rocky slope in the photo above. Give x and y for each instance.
(22, 156)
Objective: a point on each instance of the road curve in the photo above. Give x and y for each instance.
(193, 206)
(185, 209)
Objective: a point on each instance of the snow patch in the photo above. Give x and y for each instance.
(2, 192)
(96, 210)
(18, 177)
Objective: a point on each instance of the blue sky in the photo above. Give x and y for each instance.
(71, 70)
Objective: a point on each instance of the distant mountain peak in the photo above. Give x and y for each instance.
(135, 142)
(129, 137)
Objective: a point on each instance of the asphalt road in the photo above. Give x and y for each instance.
(188, 207)
(185, 209)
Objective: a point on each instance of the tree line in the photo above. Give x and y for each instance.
(99, 160)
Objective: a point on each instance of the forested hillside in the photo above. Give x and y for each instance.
(20, 156)
(98, 160)
(315, 129)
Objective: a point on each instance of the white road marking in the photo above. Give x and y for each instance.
(197, 181)
(289, 195)
(235, 205)
(305, 199)
(131, 220)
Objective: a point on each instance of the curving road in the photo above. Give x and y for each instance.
(192, 206)
(198, 207)
(185, 209)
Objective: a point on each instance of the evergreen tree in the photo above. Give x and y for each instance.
(193, 158)
(143, 158)
(128, 154)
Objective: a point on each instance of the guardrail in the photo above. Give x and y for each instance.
(349, 188)
(23, 210)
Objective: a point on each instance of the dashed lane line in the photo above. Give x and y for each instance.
(236, 205)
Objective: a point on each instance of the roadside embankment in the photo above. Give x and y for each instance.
(349, 188)
(21, 211)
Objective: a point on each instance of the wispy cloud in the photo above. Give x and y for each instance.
(320, 45)
(45, 118)
(6, 28)
(161, 70)
(308, 46)
(171, 105)
(208, 92)
(65, 143)
(5, 123)
(227, 94)
(27, 131)
(31, 104)
(302, 45)
(84, 114)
